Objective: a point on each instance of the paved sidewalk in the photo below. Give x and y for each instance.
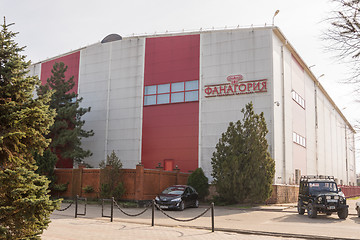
(80, 228)
(265, 222)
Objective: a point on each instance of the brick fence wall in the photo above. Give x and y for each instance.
(145, 184)
(350, 191)
(139, 183)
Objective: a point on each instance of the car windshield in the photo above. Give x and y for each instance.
(174, 190)
(322, 187)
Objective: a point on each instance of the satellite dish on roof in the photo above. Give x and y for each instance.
(111, 38)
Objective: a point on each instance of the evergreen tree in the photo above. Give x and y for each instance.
(46, 165)
(242, 167)
(66, 133)
(23, 120)
(200, 182)
(111, 185)
(25, 206)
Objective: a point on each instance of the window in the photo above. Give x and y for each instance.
(163, 88)
(179, 92)
(177, 87)
(192, 85)
(150, 90)
(191, 96)
(298, 99)
(150, 100)
(177, 97)
(298, 139)
(163, 98)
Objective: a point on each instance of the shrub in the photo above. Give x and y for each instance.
(105, 191)
(111, 185)
(88, 189)
(200, 182)
(60, 187)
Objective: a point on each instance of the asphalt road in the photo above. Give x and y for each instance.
(270, 222)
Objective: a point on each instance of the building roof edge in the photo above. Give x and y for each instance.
(288, 45)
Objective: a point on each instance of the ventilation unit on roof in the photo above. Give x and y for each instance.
(111, 38)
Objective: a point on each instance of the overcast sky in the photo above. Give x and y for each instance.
(49, 28)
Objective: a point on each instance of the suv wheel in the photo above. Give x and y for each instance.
(343, 213)
(300, 208)
(312, 211)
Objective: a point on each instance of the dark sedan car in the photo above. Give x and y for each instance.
(178, 197)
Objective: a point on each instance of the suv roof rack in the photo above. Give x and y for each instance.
(314, 177)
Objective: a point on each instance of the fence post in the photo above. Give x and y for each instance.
(139, 182)
(112, 209)
(153, 213)
(76, 205)
(212, 217)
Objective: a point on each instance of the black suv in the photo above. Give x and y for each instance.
(321, 194)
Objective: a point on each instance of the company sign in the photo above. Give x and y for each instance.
(236, 86)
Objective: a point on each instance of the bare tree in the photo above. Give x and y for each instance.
(344, 36)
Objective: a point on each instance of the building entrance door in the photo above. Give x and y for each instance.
(168, 164)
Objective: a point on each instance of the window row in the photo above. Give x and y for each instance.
(297, 98)
(172, 93)
(299, 139)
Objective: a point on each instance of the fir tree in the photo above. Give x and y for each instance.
(66, 133)
(242, 167)
(23, 120)
(25, 206)
(46, 165)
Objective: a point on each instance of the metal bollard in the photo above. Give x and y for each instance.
(112, 209)
(76, 205)
(212, 217)
(153, 213)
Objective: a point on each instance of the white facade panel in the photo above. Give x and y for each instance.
(111, 74)
(220, 58)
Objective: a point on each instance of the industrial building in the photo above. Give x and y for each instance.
(166, 99)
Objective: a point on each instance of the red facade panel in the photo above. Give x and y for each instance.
(72, 61)
(172, 59)
(171, 131)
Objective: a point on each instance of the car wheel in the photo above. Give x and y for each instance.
(343, 213)
(181, 206)
(358, 211)
(196, 205)
(300, 208)
(312, 211)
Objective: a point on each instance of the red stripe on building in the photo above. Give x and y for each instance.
(171, 131)
(71, 60)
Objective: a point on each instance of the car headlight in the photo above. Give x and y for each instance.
(176, 200)
(328, 197)
(336, 197)
(157, 198)
(319, 199)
